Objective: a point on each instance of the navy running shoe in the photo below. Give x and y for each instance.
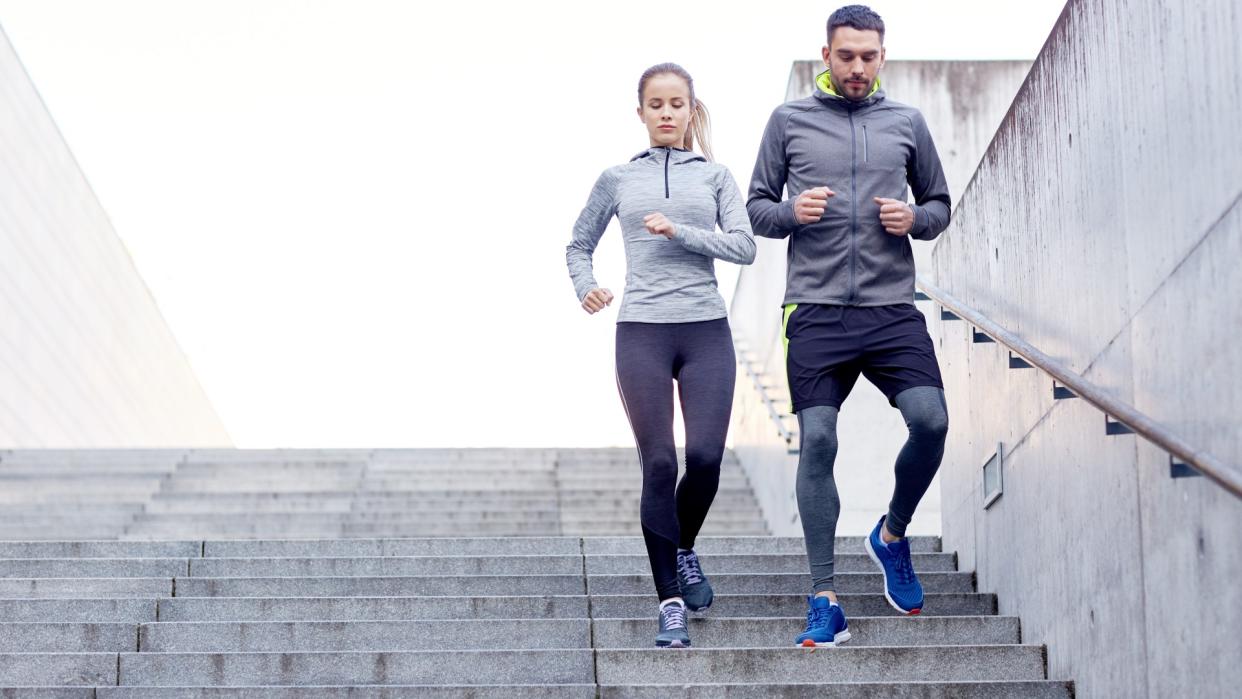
(694, 586)
(673, 632)
(902, 588)
(825, 624)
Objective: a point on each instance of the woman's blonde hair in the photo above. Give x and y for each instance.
(700, 122)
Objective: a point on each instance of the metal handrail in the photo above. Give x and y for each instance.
(1149, 429)
(774, 414)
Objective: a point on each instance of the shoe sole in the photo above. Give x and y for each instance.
(836, 640)
(884, 573)
(673, 644)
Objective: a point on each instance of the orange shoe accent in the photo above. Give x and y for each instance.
(808, 643)
(915, 612)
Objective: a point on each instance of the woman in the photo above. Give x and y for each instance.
(672, 325)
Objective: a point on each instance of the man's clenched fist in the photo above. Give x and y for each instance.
(810, 205)
(896, 216)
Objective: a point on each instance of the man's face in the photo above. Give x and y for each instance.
(855, 58)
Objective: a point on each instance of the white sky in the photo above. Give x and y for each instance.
(353, 215)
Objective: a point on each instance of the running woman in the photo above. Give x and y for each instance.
(845, 156)
(672, 325)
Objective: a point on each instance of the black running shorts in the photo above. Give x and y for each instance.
(827, 347)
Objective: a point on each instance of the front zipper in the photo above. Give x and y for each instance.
(866, 156)
(854, 202)
(667, 155)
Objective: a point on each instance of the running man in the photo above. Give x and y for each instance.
(845, 156)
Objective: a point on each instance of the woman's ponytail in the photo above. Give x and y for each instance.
(700, 130)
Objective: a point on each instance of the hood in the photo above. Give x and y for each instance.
(676, 155)
(825, 91)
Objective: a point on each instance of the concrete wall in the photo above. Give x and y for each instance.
(85, 356)
(1104, 226)
(964, 102)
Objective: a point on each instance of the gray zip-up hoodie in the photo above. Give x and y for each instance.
(859, 150)
(666, 281)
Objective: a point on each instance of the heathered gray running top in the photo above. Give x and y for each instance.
(666, 281)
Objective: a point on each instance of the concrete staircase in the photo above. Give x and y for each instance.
(305, 588)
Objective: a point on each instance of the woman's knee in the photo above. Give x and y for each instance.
(704, 458)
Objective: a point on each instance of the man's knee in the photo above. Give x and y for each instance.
(819, 431)
(929, 423)
(702, 458)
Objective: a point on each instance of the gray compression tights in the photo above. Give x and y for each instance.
(924, 411)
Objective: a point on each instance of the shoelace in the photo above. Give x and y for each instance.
(674, 616)
(817, 617)
(902, 567)
(688, 566)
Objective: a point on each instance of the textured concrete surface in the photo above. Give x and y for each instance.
(1102, 227)
(844, 664)
(419, 667)
(604, 606)
(848, 690)
(788, 583)
(506, 616)
(370, 608)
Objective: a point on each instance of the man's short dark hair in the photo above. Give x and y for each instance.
(859, 17)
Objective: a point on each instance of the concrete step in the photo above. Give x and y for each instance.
(291, 486)
(386, 566)
(746, 545)
(510, 691)
(373, 608)
(101, 549)
(56, 534)
(463, 634)
(92, 588)
(71, 497)
(406, 635)
(1034, 689)
(748, 515)
(562, 666)
(48, 692)
(454, 529)
(609, 666)
(789, 583)
(67, 637)
(168, 505)
(631, 527)
(828, 665)
(93, 567)
(794, 605)
(384, 586)
(119, 611)
(407, 518)
(779, 632)
(736, 564)
(57, 669)
(335, 548)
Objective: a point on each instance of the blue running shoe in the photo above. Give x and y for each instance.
(694, 586)
(825, 624)
(673, 632)
(902, 588)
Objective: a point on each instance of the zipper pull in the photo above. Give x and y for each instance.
(866, 157)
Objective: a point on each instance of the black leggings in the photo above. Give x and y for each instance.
(699, 356)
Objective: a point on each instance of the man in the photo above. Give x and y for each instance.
(845, 156)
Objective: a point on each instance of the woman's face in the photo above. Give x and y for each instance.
(666, 110)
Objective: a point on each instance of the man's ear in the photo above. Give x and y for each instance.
(827, 52)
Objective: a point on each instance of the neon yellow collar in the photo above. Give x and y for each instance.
(824, 81)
